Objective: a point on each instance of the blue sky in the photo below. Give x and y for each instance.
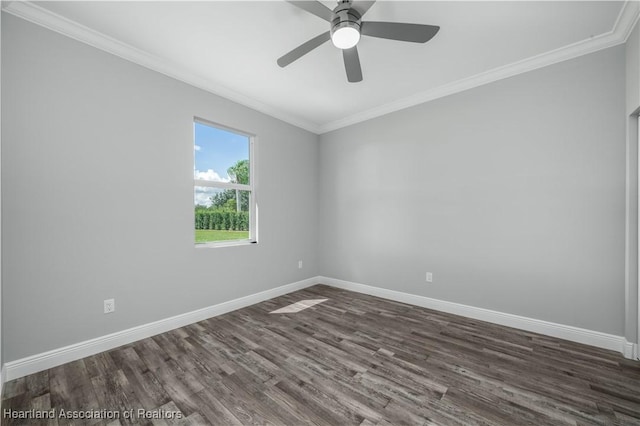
(215, 150)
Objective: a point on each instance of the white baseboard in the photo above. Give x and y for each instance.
(629, 349)
(53, 358)
(574, 334)
(39, 362)
(3, 375)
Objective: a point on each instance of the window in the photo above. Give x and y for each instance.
(224, 187)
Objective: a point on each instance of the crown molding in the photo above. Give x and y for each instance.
(54, 22)
(619, 34)
(31, 12)
(627, 19)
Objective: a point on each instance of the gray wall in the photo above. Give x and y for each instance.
(97, 188)
(1, 347)
(633, 70)
(631, 284)
(632, 106)
(512, 194)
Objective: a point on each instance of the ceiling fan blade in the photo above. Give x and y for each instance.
(416, 33)
(352, 64)
(314, 7)
(303, 49)
(362, 6)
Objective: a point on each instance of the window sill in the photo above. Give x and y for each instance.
(226, 244)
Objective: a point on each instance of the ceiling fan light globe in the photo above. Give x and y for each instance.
(345, 37)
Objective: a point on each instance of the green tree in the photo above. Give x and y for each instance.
(239, 172)
(223, 200)
(232, 199)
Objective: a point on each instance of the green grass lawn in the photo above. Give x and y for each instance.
(210, 235)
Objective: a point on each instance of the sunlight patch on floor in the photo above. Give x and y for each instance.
(298, 306)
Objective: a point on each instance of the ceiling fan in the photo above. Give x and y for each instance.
(347, 27)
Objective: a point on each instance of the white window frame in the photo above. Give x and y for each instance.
(251, 188)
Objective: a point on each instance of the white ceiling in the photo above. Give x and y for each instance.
(231, 47)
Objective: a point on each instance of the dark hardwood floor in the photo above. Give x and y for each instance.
(353, 359)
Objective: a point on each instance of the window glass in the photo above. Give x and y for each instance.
(224, 194)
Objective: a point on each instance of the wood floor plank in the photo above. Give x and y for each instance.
(352, 359)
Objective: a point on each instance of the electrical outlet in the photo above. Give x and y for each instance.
(429, 277)
(299, 264)
(109, 306)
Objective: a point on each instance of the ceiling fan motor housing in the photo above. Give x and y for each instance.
(345, 16)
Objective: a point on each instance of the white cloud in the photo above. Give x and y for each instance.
(197, 147)
(202, 195)
(211, 175)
